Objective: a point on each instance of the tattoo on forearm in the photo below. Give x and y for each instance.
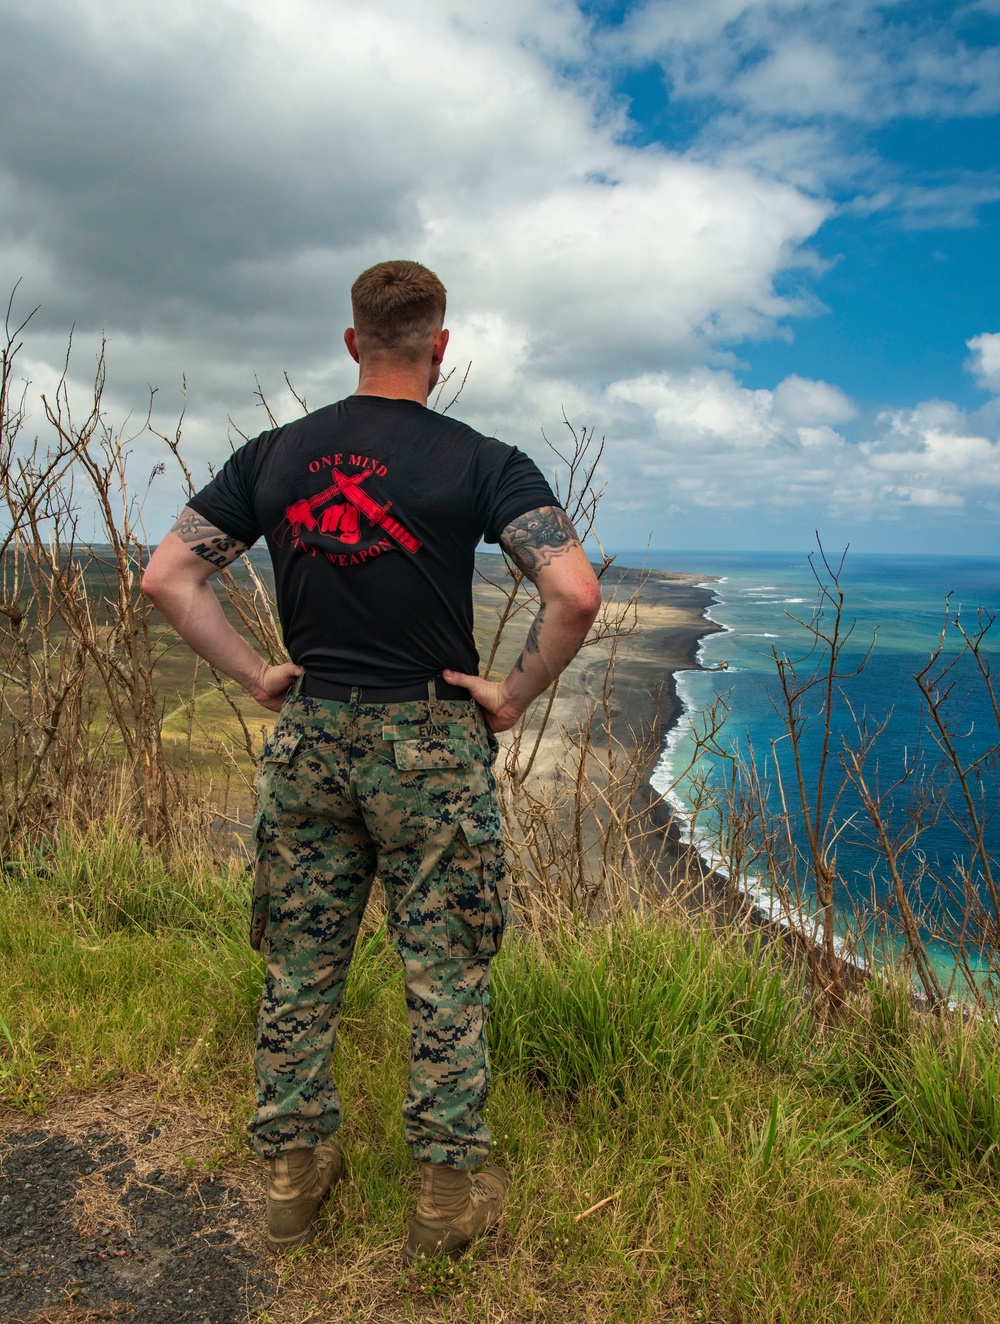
(534, 540)
(205, 540)
(531, 644)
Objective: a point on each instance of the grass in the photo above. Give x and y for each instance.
(751, 1170)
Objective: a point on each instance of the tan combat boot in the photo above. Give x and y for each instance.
(453, 1207)
(300, 1181)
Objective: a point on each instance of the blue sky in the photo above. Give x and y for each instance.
(900, 295)
(753, 245)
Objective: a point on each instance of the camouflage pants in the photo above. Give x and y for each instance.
(404, 790)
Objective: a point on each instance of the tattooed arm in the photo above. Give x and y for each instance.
(216, 549)
(543, 544)
(176, 579)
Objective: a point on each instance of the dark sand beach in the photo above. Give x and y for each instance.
(662, 618)
(659, 637)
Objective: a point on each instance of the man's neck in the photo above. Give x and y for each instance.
(395, 377)
(400, 385)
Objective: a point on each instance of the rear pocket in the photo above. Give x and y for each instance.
(442, 770)
(281, 745)
(431, 753)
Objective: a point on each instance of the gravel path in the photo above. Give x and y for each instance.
(84, 1237)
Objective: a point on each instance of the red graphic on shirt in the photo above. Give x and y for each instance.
(341, 519)
(351, 491)
(345, 502)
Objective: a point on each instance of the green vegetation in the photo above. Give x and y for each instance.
(752, 1168)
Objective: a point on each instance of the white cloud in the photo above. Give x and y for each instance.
(932, 449)
(985, 363)
(205, 182)
(954, 204)
(697, 440)
(802, 83)
(695, 247)
(799, 400)
(801, 78)
(205, 186)
(926, 496)
(799, 59)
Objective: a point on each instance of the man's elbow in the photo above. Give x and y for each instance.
(160, 584)
(584, 602)
(591, 602)
(152, 585)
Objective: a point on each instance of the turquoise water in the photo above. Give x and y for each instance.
(896, 607)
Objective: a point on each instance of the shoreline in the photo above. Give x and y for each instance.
(671, 621)
(662, 638)
(646, 699)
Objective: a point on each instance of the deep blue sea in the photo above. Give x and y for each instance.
(897, 607)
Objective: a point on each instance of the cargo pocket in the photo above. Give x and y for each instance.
(477, 910)
(276, 756)
(260, 904)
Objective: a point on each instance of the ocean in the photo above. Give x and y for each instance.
(896, 608)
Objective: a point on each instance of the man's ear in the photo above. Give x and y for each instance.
(351, 341)
(440, 345)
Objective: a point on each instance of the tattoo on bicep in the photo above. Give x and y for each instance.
(534, 540)
(205, 540)
(192, 527)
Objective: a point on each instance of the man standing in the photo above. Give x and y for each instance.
(381, 761)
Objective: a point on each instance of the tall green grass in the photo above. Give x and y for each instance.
(108, 879)
(621, 1008)
(114, 964)
(935, 1081)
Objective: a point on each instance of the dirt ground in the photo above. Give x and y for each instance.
(107, 1213)
(121, 1205)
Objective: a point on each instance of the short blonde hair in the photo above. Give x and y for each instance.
(397, 306)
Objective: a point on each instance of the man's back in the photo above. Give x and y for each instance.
(372, 510)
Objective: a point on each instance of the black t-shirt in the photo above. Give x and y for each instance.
(372, 509)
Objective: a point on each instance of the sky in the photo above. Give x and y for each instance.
(754, 246)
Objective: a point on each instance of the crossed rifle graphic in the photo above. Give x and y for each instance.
(342, 521)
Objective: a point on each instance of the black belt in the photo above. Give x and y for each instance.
(314, 688)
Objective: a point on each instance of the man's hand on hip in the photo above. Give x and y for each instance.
(501, 713)
(270, 688)
(544, 546)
